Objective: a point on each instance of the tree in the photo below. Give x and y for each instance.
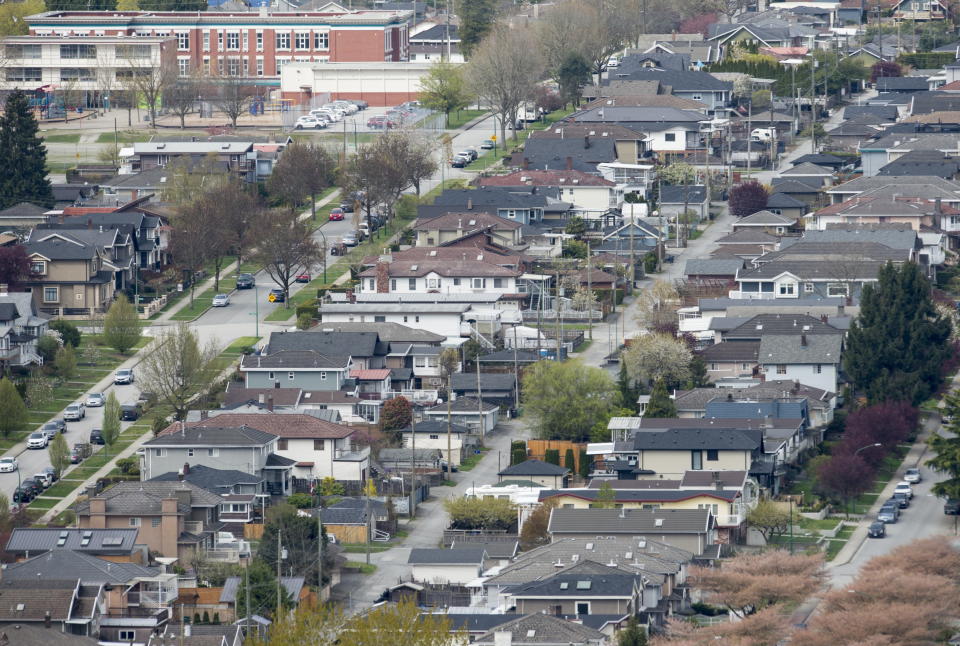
(626, 388)
(111, 421)
(552, 456)
(14, 417)
(39, 392)
(59, 454)
(299, 536)
(570, 461)
(534, 531)
(503, 71)
(303, 170)
(232, 96)
(565, 399)
(845, 476)
(180, 97)
(660, 404)
(383, 624)
(148, 79)
(263, 589)
(658, 356)
(561, 32)
(480, 513)
(286, 248)
(397, 414)
(121, 325)
(317, 624)
(633, 635)
(476, 20)
(574, 73)
(227, 208)
(177, 368)
(947, 450)
(769, 518)
(238, 216)
(760, 100)
(678, 174)
(897, 344)
(330, 487)
(443, 89)
(518, 452)
(69, 332)
(23, 171)
(14, 264)
(13, 14)
(47, 348)
(606, 496)
(749, 583)
(884, 69)
(657, 307)
(747, 198)
(65, 362)
(585, 464)
(888, 423)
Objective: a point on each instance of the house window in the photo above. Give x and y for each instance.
(301, 40)
(183, 41)
(713, 508)
(808, 288)
(128, 635)
(433, 283)
(51, 294)
(787, 289)
(323, 376)
(781, 369)
(283, 40)
(434, 437)
(393, 284)
(818, 369)
(213, 453)
(670, 136)
(154, 522)
(714, 366)
(134, 522)
(318, 445)
(321, 40)
(583, 607)
(291, 375)
(412, 284)
(498, 283)
(373, 284)
(456, 282)
(160, 453)
(697, 97)
(379, 319)
(282, 444)
(233, 40)
(838, 289)
(189, 453)
(38, 267)
(696, 460)
(478, 283)
(713, 455)
(270, 375)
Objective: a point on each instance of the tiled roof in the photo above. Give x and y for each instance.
(440, 556)
(373, 374)
(629, 521)
(566, 178)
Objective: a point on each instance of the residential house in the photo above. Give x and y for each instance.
(783, 204)
(775, 224)
(731, 359)
(204, 635)
(35, 634)
(586, 588)
(756, 327)
(454, 226)
(115, 545)
(693, 530)
(175, 519)
(219, 443)
(542, 473)
(240, 493)
(550, 153)
(433, 434)
(467, 411)
(294, 586)
(436, 43)
(239, 156)
(695, 86)
(20, 329)
(924, 187)
(819, 404)
(713, 271)
(23, 215)
(630, 239)
(331, 405)
(69, 276)
(921, 11)
(812, 360)
(352, 523)
(669, 130)
(804, 189)
(394, 460)
(496, 387)
(521, 204)
(150, 248)
(543, 630)
(630, 144)
(306, 369)
(457, 566)
(677, 200)
(499, 552)
(463, 276)
(923, 163)
(591, 196)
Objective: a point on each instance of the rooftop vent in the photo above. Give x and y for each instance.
(564, 585)
(589, 546)
(658, 522)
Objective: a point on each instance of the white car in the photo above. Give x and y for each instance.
(94, 400)
(124, 376)
(8, 465)
(310, 122)
(346, 106)
(912, 475)
(220, 300)
(905, 488)
(74, 412)
(333, 115)
(37, 441)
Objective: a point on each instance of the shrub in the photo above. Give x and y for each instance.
(68, 331)
(47, 347)
(552, 456)
(300, 500)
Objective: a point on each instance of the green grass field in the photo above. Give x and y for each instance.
(459, 118)
(130, 136)
(62, 137)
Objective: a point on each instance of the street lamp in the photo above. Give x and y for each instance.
(868, 446)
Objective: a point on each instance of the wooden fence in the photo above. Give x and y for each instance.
(537, 449)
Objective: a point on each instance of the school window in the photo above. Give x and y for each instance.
(233, 67)
(321, 40)
(412, 284)
(302, 40)
(281, 62)
(183, 66)
(233, 40)
(246, 40)
(206, 64)
(206, 41)
(51, 294)
(134, 522)
(259, 66)
(283, 445)
(220, 40)
(246, 68)
(781, 369)
(283, 40)
(713, 455)
(220, 66)
(259, 41)
(183, 41)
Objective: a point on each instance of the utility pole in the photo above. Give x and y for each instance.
(449, 424)
(279, 555)
(447, 30)
(476, 360)
(590, 289)
(246, 576)
(557, 313)
(813, 106)
(319, 556)
(366, 512)
(413, 460)
(749, 134)
(516, 376)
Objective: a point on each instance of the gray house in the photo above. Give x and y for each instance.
(693, 530)
(675, 200)
(306, 369)
(20, 328)
(236, 448)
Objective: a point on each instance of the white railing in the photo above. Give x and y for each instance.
(224, 555)
(736, 293)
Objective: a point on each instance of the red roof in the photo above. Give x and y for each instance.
(279, 424)
(950, 87)
(545, 178)
(370, 375)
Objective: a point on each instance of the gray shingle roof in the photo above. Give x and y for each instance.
(57, 249)
(683, 439)
(544, 629)
(765, 218)
(534, 468)
(432, 427)
(462, 405)
(216, 481)
(292, 584)
(680, 81)
(494, 549)
(641, 495)
(726, 351)
(680, 194)
(784, 201)
(807, 169)
(629, 521)
(467, 381)
(551, 154)
(713, 267)
(213, 436)
(360, 344)
(144, 498)
(474, 623)
(294, 359)
(814, 349)
(75, 565)
(894, 238)
(613, 584)
(791, 324)
(388, 332)
(101, 541)
(439, 556)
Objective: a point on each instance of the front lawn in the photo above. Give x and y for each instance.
(461, 117)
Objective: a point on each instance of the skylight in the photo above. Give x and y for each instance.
(584, 585)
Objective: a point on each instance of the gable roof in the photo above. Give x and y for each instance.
(360, 344)
(670, 194)
(440, 556)
(550, 153)
(145, 498)
(629, 521)
(75, 565)
(218, 481)
(494, 549)
(731, 351)
(35, 598)
(218, 433)
(794, 349)
(611, 584)
(285, 425)
(298, 359)
(779, 324)
(534, 467)
(783, 201)
(640, 495)
(566, 178)
(461, 405)
(539, 628)
(766, 218)
(683, 439)
(388, 332)
(101, 541)
(808, 169)
(451, 268)
(465, 221)
(712, 267)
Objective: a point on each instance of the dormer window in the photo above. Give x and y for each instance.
(38, 267)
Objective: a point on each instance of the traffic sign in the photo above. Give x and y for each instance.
(272, 298)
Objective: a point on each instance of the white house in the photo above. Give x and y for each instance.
(591, 196)
(439, 318)
(432, 434)
(813, 360)
(467, 411)
(457, 566)
(441, 277)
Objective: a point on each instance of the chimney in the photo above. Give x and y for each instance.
(89, 223)
(183, 496)
(469, 203)
(824, 318)
(569, 163)
(803, 340)
(3, 289)
(270, 403)
(586, 141)
(526, 163)
(717, 482)
(204, 413)
(796, 385)
(351, 296)
(186, 468)
(47, 620)
(383, 277)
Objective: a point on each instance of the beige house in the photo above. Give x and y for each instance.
(434, 232)
(543, 473)
(69, 277)
(433, 435)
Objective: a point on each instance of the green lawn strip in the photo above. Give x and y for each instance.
(232, 352)
(469, 462)
(62, 488)
(365, 568)
(126, 137)
(813, 523)
(44, 503)
(833, 548)
(354, 548)
(461, 117)
(62, 137)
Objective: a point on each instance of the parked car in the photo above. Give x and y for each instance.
(487, 144)
(364, 229)
(460, 161)
(43, 479)
(50, 471)
(276, 295)
(912, 475)
(220, 300)
(346, 206)
(349, 239)
(123, 376)
(96, 436)
(889, 513)
(80, 452)
(361, 104)
(336, 214)
(23, 494)
(245, 281)
(34, 486)
(37, 440)
(904, 487)
(130, 412)
(8, 465)
(311, 123)
(900, 499)
(94, 400)
(877, 529)
(146, 399)
(52, 429)
(74, 412)
(303, 277)
(470, 152)
(952, 507)
(60, 424)
(443, 466)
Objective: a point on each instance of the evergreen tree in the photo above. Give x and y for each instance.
(947, 449)
(585, 464)
(606, 496)
(897, 344)
(628, 394)
(660, 404)
(476, 20)
(569, 461)
(14, 416)
(633, 635)
(121, 325)
(23, 164)
(552, 456)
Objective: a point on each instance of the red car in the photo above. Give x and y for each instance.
(336, 214)
(303, 278)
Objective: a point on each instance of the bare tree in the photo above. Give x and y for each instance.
(239, 217)
(609, 25)
(286, 248)
(181, 97)
(561, 32)
(187, 241)
(232, 96)
(504, 70)
(303, 170)
(177, 368)
(149, 78)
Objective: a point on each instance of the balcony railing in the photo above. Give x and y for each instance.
(351, 454)
(736, 293)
